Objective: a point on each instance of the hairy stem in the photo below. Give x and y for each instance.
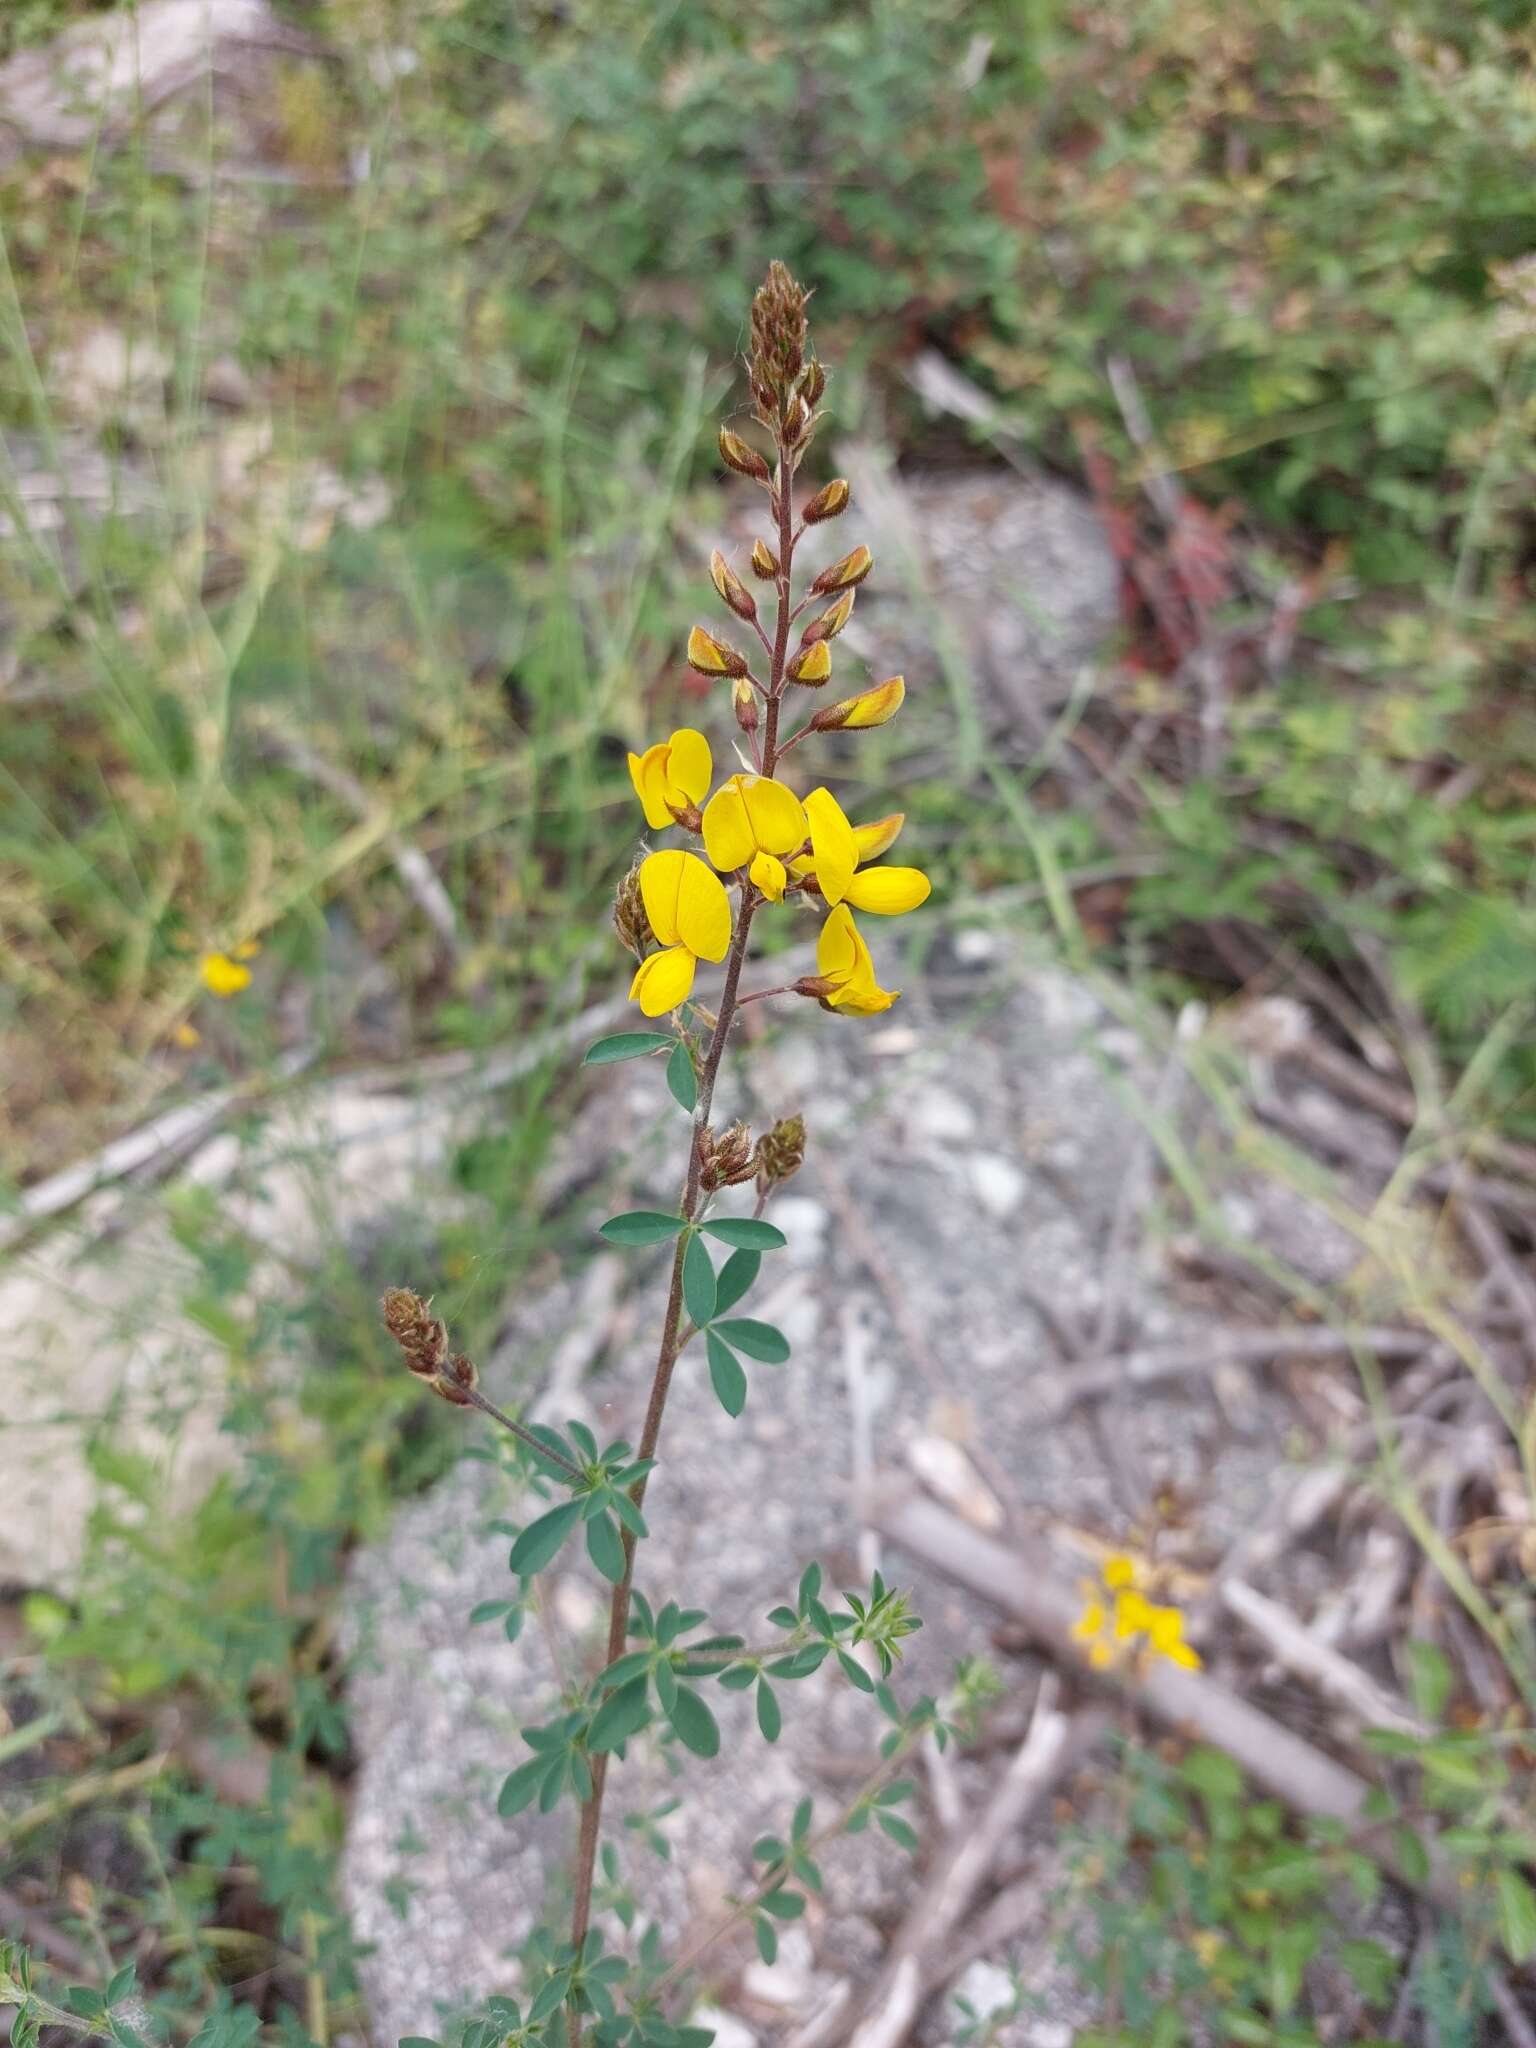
(672, 1327)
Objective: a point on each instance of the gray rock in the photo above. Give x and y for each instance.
(443, 1890)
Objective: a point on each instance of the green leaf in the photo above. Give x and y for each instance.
(855, 1673)
(605, 1547)
(698, 1282)
(1430, 1679)
(769, 1719)
(1371, 1967)
(758, 1340)
(696, 1726)
(726, 1375)
(681, 1078)
(747, 1233)
(784, 1905)
(800, 1825)
(1517, 1915)
(621, 1715)
(1212, 1774)
(734, 1279)
(521, 1786)
(488, 1610)
(666, 1686)
(625, 1045)
(767, 1940)
(640, 1226)
(899, 1830)
(1410, 1854)
(541, 1539)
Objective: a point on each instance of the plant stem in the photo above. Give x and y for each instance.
(671, 1336)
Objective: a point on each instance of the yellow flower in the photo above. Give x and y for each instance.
(1119, 1571)
(1115, 1613)
(712, 657)
(672, 776)
(812, 665)
(186, 1036)
(869, 707)
(751, 822)
(223, 976)
(843, 960)
(690, 914)
(1091, 1622)
(1165, 1635)
(884, 892)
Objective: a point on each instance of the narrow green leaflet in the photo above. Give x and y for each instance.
(625, 1045)
(681, 1078)
(605, 1547)
(698, 1282)
(735, 1278)
(522, 1787)
(621, 1715)
(696, 1726)
(769, 1719)
(541, 1539)
(747, 1233)
(726, 1375)
(1517, 1914)
(758, 1340)
(640, 1226)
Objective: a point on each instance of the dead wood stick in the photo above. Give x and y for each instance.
(1521, 2033)
(1302, 1653)
(1398, 1104)
(1154, 1362)
(915, 1961)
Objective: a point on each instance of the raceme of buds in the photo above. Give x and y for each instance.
(812, 665)
(712, 657)
(765, 563)
(843, 575)
(727, 1158)
(744, 702)
(629, 919)
(869, 707)
(828, 624)
(828, 502)
(778, 335)
(733, 591)
(780, 1152)
(743, 457)
(424, 1341)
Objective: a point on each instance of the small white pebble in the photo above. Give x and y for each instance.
(996, 1182)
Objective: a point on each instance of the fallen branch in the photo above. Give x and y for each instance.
(1099, 1376)
(1317, 1662)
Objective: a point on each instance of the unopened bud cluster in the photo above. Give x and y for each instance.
(726, 1157)
(423, 1338)
(630, 923)
(780, 1152)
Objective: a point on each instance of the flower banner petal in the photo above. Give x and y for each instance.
(663, 981)
(887, 892)
(832, 844)
(703, 910)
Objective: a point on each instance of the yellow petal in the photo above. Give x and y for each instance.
(832, 844)
(863, 999)
(775, 814)
(648, 772)
(839, 948)
(768, 874)
(1133, 1615)
(812, 665)
(712, 657)
(878, 837)
(690, 765)
(703, 910)
(661, 876)
(728, 836)
(887, 892)
(1119, 1571)
(663, 981)
(1091, 1622)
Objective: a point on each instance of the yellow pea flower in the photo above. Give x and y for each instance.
(1119, 1571)
(843, 960)
(690, 914)
(672, 776)
(751, 822)
(884, 892)
(222, 976)
(1165, 1634)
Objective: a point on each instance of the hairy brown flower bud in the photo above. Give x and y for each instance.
(765, 563)
(630, 922)
(843, 575)
(712, 657)
(780, 1152)
(727, 1158)
(744, 700)
(457, 1380)
(733, 591)
(828, 502)
(410, 1321)
(813, 384)
(812, 665)
(828, 624)
(743, 457)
